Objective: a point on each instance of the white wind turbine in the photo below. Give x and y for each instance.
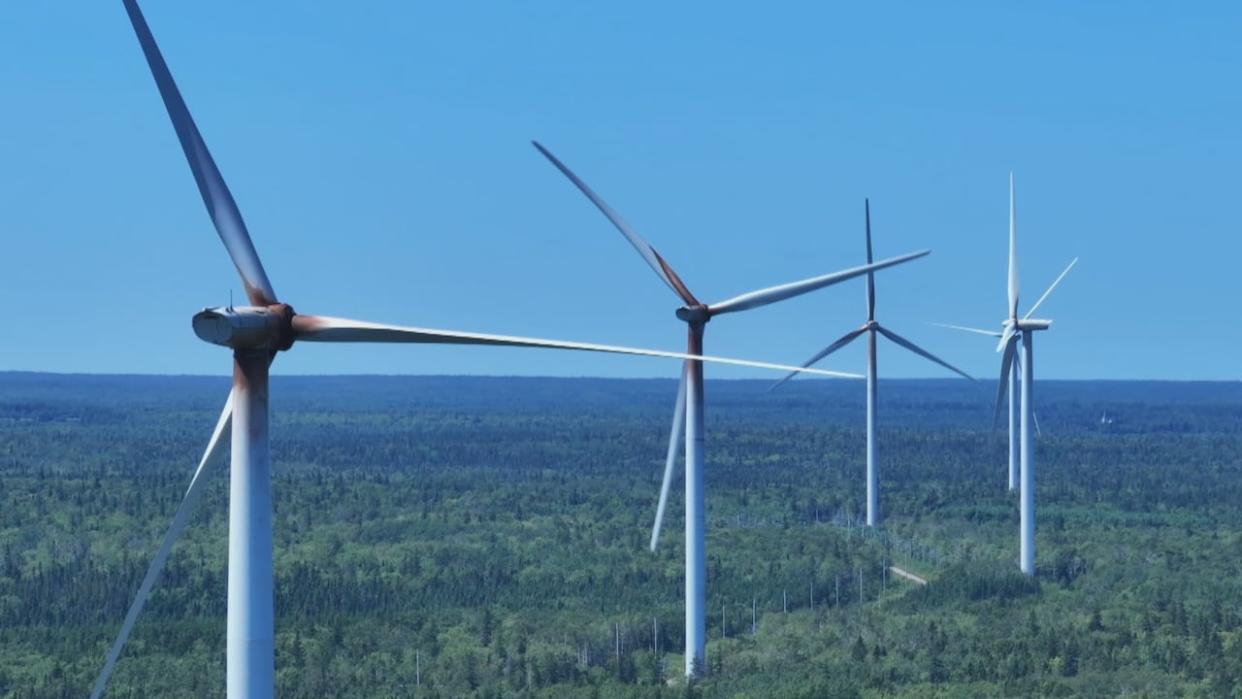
(871, 328)
(256, 334)
(1022, 420)
(689, 404)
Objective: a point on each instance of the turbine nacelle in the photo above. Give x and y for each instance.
(247, 327)
(1011, 325)
(1034, 324)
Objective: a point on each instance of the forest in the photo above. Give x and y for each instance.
(487, 537)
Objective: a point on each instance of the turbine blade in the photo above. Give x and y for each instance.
(1007, 360)
(327, 329)
(964, 328)
(844, 340)
(653, 258)
(1035, 419)
(188, 504)
(1009, 333)
(220, 205)
(870, 275)
(763, 297)
(1051, 287)
(674, 441)
(920, 351)
(1013, 255)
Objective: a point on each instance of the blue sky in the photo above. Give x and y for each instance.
(381, 157)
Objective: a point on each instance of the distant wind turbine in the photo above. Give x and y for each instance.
(689, 404)
(1013, 330)
(256, 333)
(871, 328)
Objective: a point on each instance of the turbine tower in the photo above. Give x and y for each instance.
(871, 328)
(689, 403)
(1013, 331)
(256, 334)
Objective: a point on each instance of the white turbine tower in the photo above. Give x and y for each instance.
(256, 334)
(689, 404)
(871, 328)
(1013, 331)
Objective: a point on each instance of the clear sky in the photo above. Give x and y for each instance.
(380, 153)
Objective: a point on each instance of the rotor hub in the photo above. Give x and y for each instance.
(694, 314)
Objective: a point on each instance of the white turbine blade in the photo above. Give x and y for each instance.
(674, 441)
(327, 329)
(1051, 287)
(188, 504)
(763, 297)
(648, 253)
(1009, 333)
(1035, 419)
(920, 351)
(1013, 255)
(844, 340)
(223, 210)
(964, 328)
(1007, 361)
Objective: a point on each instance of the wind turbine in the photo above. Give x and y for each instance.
(871, 328)
(256, 334)
(1013, 331)
(689, 404)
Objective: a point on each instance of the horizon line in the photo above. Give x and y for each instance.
(224, 377)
